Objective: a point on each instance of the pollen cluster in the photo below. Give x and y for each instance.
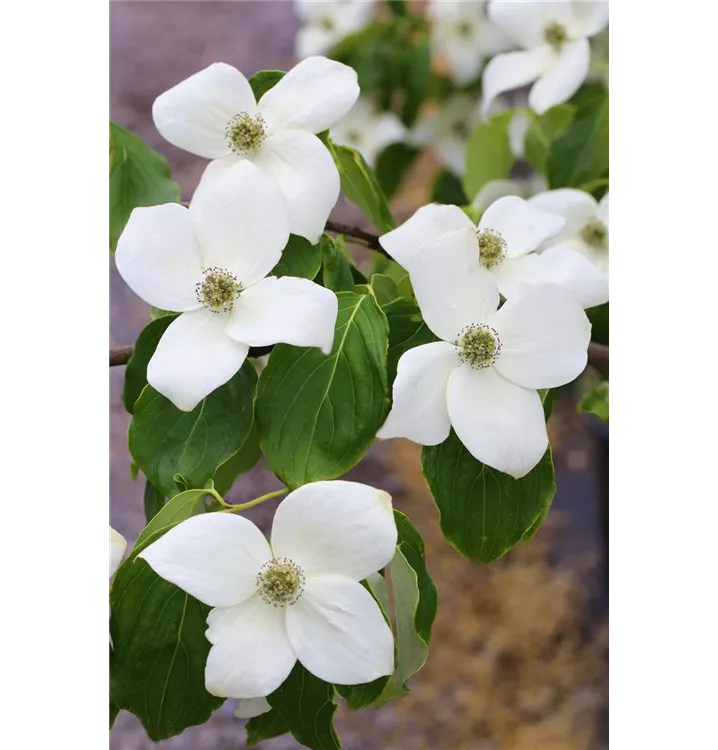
(555, 35)
(280, 582)
(479, 346)
(492, 247)
(218, 290)
(244, 133)
(595, 234)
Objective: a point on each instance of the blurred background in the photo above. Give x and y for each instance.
(518, 657)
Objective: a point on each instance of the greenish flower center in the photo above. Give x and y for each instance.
(492, 247)
(464, 28)
(327, 24)
(245, 133)
(555, 35)
(461, 129)
(280, 582)
(219, 290)
(354, 137)
(595, 234)
(479, 346)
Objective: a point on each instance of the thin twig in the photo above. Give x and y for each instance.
(367, 238)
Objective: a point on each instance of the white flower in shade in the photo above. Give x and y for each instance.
(298, 598)
(481, 378)
(251, 707)
(523, 187)
(214, 114)
(556, 52)
(209, 262)
(326, 22)
(367, 130)
(118, 545)
(503, 246)
(586, 227)
(463, 35)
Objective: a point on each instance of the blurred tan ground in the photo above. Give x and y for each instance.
(518, 655)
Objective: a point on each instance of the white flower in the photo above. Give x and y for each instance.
(248, 708)
(503, 245)
(118, 545)
(326, 22)
(214, 114)
(554, 36)
(463, 35)
(586, 227)
(523, 187)
(209, 262)
(298, 599)
(367, 130)
(481, 378)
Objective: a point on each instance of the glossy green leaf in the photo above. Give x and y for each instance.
(599, 317)
(406, 330)
(113, 713)
(307, 705)
(336, 266)
(416, 77)
(136, 369)
(596, 401)
(361, 187)
(392, 165)
(265, 726)
(318, 414)
(447, 189)
(139, 176)
(542, 132)
(238, 463)
(484, 512)
(165, 441)
(263, 80)
(153, 501)
(488, 154)
(181, 507)
(384, 289)
(157, 663)
(299, 258)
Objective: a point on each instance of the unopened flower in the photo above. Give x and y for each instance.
(481, 378)
(586, 227)
(214, 114)
(118, 545)
(503, 245)
(298, 598)
(556, 52)
(209, 262)
(367, 130)
(463, 35)
(326, 22)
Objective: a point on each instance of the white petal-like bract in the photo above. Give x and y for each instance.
(118, 545)
(248, 708)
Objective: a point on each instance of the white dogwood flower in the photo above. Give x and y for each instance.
(503, 245)
(554, 36)
(481, 378)
(248, 708)
(367, 130)
(209, 262)
(298, 598)
(214, 114)
(118, 545)
(586, 227)
(463, 35)
(326, 22)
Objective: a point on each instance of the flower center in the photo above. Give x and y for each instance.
(354, 137)
(218, 290)
(461, 129)
(492, 247)
(479, 346)
(595, 234)
(244, 133)
(327, 24)
(555, 35)
(280, 582)
(464, 28)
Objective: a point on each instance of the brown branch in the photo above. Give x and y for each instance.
(120, 355)
(367, 238)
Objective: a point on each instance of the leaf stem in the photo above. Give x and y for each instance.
(252, 503)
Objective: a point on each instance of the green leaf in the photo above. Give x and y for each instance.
(361, 187)
(488, 154)
(599, 317)
(542, 132)
(157, 663)
(165, 441)
(318, 414)
(153, 501)
(238, 463)
(307, 705)
(447, 189)
(384, 289)
(263, 80)
(113, 713)
(337, 268)
(265, 726)
(181, 507)
(136, 369)
(484, 512)
(416, 76)
(580, 153)
(596, 401)
(299, 258)
(392, 165)
(406, 330)
(139, 176)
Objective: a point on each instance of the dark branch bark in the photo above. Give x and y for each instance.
(598, 357)
(371, 240)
